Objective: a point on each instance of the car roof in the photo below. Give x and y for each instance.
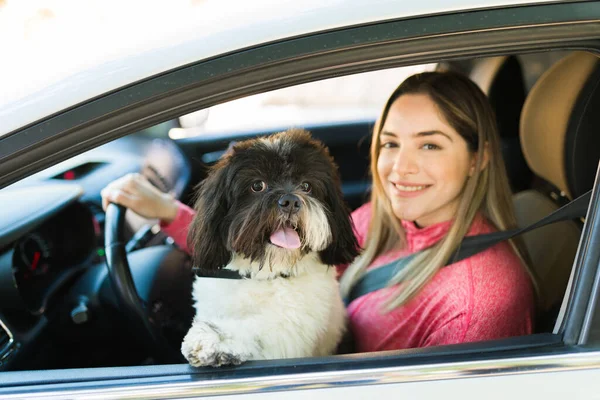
(74, 57)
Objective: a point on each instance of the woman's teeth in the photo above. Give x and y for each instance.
(409, 188)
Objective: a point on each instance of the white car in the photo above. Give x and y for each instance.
(168, 107)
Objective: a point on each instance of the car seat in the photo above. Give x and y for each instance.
(561, 144)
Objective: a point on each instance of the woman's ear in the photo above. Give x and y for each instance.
(484, 162)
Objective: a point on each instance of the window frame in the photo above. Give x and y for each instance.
(581, 324)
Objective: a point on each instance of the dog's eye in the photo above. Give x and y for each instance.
(258, 186)
(305, 187)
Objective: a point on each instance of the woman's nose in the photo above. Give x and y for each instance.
(406, 162)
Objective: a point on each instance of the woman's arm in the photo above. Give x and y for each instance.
(135, 192)
(180, 225)
(452, 332)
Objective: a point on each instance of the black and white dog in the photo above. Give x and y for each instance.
(272, 210)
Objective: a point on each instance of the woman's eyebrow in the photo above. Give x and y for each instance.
(431, 133)
(424, 133)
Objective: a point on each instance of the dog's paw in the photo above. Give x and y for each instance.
(199, 356)
(205, 345)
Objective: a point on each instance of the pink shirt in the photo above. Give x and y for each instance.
(178, 229)
(484, 297)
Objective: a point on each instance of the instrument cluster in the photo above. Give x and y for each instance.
(53, 252)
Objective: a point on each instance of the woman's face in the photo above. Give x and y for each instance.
(423, 162)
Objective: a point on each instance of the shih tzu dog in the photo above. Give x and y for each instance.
(271, 212)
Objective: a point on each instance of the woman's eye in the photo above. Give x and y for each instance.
(305, 187)
(258, 186)
(431, 146)
(388, 145)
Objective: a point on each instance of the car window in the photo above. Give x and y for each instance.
(348, 98)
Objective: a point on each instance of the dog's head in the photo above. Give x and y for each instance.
(272, 201)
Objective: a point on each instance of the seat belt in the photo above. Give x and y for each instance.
(378, 278)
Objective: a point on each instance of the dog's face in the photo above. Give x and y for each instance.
(272, 201)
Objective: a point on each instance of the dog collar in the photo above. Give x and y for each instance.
(229, 274)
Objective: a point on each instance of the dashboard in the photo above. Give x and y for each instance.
(51, 227)
(46, 235)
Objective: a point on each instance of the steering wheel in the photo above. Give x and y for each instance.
(124, 287)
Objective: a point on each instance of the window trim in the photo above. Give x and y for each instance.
(585, 296)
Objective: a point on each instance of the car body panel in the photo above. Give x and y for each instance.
(574, 373)
(153, 48)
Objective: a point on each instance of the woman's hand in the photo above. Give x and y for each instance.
(135, 192)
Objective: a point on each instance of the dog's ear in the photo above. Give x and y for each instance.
(206, 237)
(344, 246)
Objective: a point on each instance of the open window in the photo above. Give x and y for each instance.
(178, 165)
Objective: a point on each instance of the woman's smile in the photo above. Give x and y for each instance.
(408, 189)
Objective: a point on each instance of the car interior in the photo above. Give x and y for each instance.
(55, 290)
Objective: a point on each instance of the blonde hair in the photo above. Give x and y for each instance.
(466, 108)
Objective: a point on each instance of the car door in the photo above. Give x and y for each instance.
(564, 362)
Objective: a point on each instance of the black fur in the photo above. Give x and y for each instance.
(344, 247)
(232, 218)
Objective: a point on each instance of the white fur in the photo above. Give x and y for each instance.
(318, 233)
(266, 316)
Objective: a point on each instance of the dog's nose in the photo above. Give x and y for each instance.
(289, 203)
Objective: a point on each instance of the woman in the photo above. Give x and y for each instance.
(438, 176)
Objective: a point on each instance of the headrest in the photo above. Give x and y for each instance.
(501, 79)
(485, 71)
(560, 124)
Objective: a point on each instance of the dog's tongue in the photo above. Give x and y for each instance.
(286, 238)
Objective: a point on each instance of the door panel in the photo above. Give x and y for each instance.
(582, 384)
